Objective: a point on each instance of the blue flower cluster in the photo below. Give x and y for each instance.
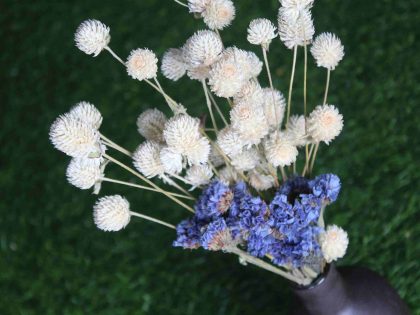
(285, 230)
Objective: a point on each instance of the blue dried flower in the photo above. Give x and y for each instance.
(217, 236)
(327, 187)
(215, 200)
(188, 234)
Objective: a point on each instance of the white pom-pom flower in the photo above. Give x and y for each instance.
(295, 129)
(151, 123)
(250, 92)
(87, 113)
(202, 49)
(295, 32)
(260, 181)
(83, 173)
(197, 6)
(199, 175)
(249, 122)
(147, 159)
(246, 160)
(92, 36)
(199, 73)
(324, 123)
(171, 161)
(327, 50)
(111, 213)
(248, 61)
(279, 150)
(228, 175)
(294, 7)
(261, 32)
(173, 64)
(75, 137)
(230, 142)
(218, 14)
(226, 78)
(334, 243)
(274, 107)
(142, 64)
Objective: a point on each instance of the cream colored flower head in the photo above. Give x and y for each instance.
(142, 64)
(246, 160)
(75, 137)
(199, 175)
(327, 50)
(295, 32)
(218, 14)
(248, 61)
(261, 32)
(274, 107)
(230, 141)
(197, 6)
(250, 92)
(111, 213)
(171, 161)
(202, 49)
(173, 64)
(294, 7)
(295, 129)
(92, 36)
(279, 150)
(151, 123)
(87, 113)
(147, 159)
(334, 243)
(226, 78)
(84, 173)
(199, 73)
(325, 123)
(260, 181)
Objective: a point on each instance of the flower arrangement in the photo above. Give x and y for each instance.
(254, 201)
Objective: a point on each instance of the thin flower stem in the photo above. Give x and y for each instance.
(115, 146)
(267, 66)
(110, 180)
(115, 55)
(181, 3)
(213, 121)
(262, 264)
(146, 217)
(283, 173)
(305, 101)
(305, 169)
(292, 77)
(217, 107)
(321, 222)
(314, 158)
(182, 179)
(230, 102)
(327, 86)
(173, 183)
(149, 182)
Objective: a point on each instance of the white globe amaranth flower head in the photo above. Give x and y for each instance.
(87, 113)
(229, 141)
(150, 124)
(295, 129)
(295, 32)
(111, 213)
(202, 49)
(250, 92)
(171, 161)
(173, 64)
(142, 64)
(274, 107)
(75, 137)
(249, 122)
(199, 73)
(218, 14)
(327, 50)
(261, 182)
(294, 7)
(280, 150)
(248, 61)
(334, 242)
(197, 6)
(246, 160)
(92, 36)
(261, 32)
(84, 173)
(146, 159)
(324, 123)
(199, 175)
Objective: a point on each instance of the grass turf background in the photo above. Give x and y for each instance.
(52, 258)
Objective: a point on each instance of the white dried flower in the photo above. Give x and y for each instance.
(171, 161)
(279, 150)
(202, 49)
(83, 173)
(199, 175)
(198, 73)
(334, 243)
(173, 64)
(274, 107)
(324, 123)
(75, 137)
(111, 213)
(182, 134)
(295, 129)
(215, 158)
(150, 124)
(197, 6)
(250, 92)
(248, 61)
(92, 36)
(226, 78)
(294, 7)
(295, 32)
(246, 160)
(327, 50)
(228, 175)
(261, 32)
(87, 113)
(142, 64)
(218, 14)
(229, 141)
(260, 181)
(249, 122)
(147, 159)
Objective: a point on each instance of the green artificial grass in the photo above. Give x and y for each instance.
(52, 258)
